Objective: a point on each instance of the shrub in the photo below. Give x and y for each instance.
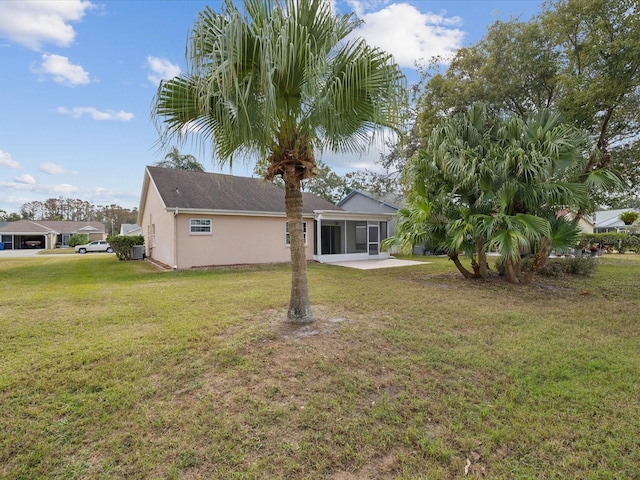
(78, 239)
(122, 245)
(556, 267)
(621, 242)
(585, 266)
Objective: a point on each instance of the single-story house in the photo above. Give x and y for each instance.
(609, 220)
(130, 229)
(46, 234)
(197, 219)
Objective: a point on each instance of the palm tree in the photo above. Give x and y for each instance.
(495, 183)
(174, 159)
(282, 81)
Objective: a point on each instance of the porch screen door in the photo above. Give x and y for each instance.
(374, 239)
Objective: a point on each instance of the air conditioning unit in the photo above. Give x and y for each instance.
(137, 252)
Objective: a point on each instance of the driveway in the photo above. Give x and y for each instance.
(19, 253)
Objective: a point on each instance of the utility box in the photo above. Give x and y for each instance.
(137, 252)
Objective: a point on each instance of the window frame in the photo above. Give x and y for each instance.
(209, 231)
(287, 237)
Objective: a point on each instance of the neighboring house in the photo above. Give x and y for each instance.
(130, 229)
(585, 223)
(196, 219)
(609, 220)
(46, 234)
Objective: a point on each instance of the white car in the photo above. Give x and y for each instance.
(97, 246)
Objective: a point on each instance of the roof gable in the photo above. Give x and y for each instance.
(185, 189)
(390, 200)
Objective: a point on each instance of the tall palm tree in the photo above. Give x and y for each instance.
(282, 80)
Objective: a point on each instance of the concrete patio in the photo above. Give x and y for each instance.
(374, 264)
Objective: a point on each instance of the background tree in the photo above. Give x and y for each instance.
(578, 57)
(174, 159)
(280, 81)
(77, 210)
(8, 217)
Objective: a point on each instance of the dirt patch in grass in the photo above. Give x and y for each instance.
(326, 323)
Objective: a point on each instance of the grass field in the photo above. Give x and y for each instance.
(117, 370)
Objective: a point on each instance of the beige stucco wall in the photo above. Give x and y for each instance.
(236, 240)
(160, 248)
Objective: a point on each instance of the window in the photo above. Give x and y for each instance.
(287, 240)
(200, 226)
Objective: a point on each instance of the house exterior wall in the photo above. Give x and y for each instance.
(158, 229)
(236, 239)
(585, 226)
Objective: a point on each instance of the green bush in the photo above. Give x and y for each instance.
(557, 267)
(585, 266)
(78, 239)
(122, 245)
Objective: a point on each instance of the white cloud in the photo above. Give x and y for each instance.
(96, 114)
(408, 34)
(28, 183)
(26, 179)
(7, 161)
(161, 69)
(63, 71)
(53, 168)
(34, 22)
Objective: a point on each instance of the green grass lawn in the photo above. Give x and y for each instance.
(114, 369)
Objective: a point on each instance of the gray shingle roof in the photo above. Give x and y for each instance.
(214, 191)
(45, 226)
(610, 218)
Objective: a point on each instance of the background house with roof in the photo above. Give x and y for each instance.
(46, 234)
(196, 219)
(130, 229)
(609, 220)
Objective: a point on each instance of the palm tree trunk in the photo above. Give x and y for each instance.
(483, 267)
(510, 271)
(299, 304)
(456, 260)
(540, 259)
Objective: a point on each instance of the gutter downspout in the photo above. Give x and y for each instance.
(175, 239)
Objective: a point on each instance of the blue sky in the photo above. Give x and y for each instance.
(79, 78)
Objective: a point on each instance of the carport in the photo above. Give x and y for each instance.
(23, 241)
